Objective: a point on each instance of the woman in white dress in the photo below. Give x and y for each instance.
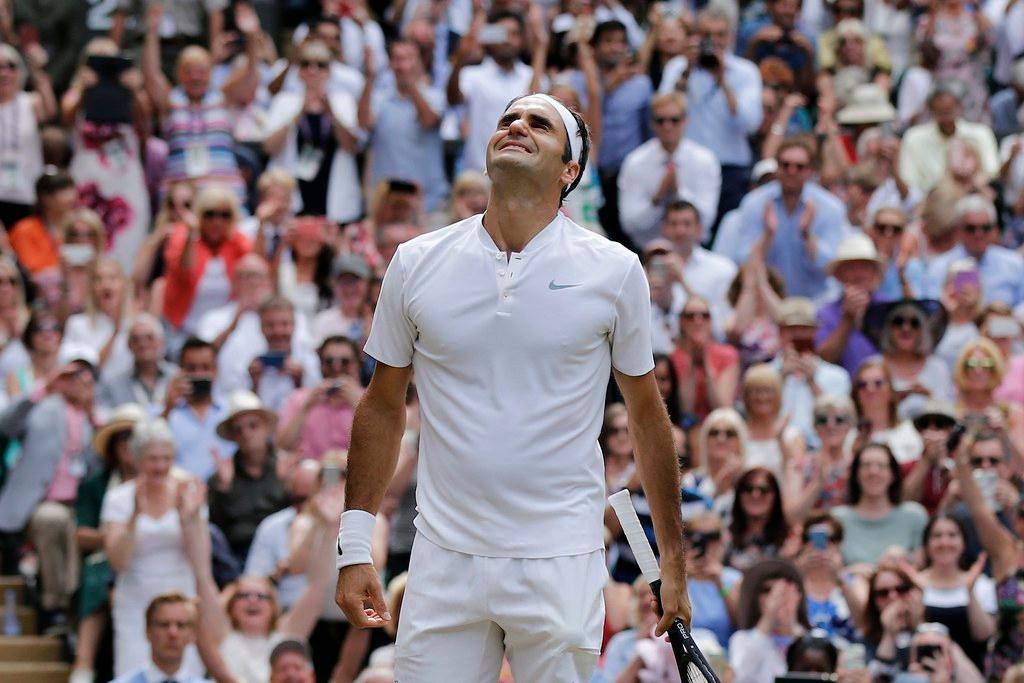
(103, 324)
(142, 537)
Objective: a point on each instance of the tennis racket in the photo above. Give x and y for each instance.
(693, 668)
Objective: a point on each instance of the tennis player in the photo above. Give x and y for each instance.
(511, 321)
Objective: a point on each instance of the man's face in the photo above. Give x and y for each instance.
(797, 337)
(144, 344)
(989, 454)
(682, 228)
(337, 360)
(251, 432)
(405, 60)
(976, 231)
(717, 31)
(611, 49)
(78, 384)
(863, 274)
(784, 13)
(508, 49)
(252, 280)
(291, 667)
(194, 78)
(173, 629)
(886, 231)
(669, 121)
(530, 137)
(199, 363)
(794, 168)
(277, 326)
(945, 110)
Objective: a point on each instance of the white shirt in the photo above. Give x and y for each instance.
(698, 177)
(1014, 184)
(487, 90)
(95, 331)
(512, 358)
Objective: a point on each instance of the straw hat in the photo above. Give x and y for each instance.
(855, 247)
(797, 311)
(122, 419)
(242, 402)
(867, 103)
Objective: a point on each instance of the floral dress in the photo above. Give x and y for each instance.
(1008, 647)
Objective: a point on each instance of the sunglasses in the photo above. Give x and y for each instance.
(223, 214)
(47, 326)
(699, 538)
(934, 422)
(972, 229)
(694, 315)
(341, 361)
(794, 165)
(662, 120)
(889, 228)
(618, 430)
(314, 63)
(81, 234)
(8, 65)
(983, 363)
(8, 280)
(874, 384)
(716, 433)
(984, 461)
(254, 595)
(822, 420)
(763, 489)
(890, 591)
(900, 321)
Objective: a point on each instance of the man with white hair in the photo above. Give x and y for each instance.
(510, 490)
(1002, 269)
(145, 383)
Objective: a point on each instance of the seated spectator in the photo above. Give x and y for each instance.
(247, 486)
(23, 163)
(192, 411)
(813, 653)
(831, 599)
(274, 211)
(290, 662)
(232, 327)
(314, 137)
(875, 519)
(620, 652)
(713, 586)
(781, 38)
(923, 152)
(942, 657)
(148, 375)
(38, 494)
(978, 373)
(617, 448)
(663, 169)
(142, 522)
(41, 342)
(110, 443)
(238, 631)
(469, 196)
(82, 243)
(350, 315)
(853, 64)
(904, 276)
(302, 265)
(319, 419)
(708, 371)
(722, 446)
(817, 482)
(772, 614)
(34, 238)
(927, 479)
(14, 316)
(961, 297)
(958, 33)
(876, 402)
(103, 325)
(170, 629)
(755, 296)
(772, 442)
(280, 360)
(893, 611)
(858, 270)
(1011, 175)
(758, 527)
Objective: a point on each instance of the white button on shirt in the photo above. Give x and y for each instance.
(512, 357)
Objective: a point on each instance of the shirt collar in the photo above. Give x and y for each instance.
(155, 675)
(548, 233)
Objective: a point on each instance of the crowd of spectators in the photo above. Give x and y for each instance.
(199, 200)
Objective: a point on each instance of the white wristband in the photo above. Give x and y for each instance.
(354, 538)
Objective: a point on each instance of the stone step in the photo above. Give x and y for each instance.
(17, 649)
(34, 672)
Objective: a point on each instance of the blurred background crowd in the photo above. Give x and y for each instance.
(199, 199)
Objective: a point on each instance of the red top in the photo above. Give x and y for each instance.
(181, 282)
(718, 358)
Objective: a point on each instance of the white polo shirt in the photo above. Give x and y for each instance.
(512, 358)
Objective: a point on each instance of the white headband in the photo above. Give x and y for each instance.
(572, 128)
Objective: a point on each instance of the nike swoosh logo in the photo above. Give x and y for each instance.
(552, 286)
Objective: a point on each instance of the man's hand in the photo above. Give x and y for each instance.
(855, 304)
(359, 586)
(675, 600)
(669, 184)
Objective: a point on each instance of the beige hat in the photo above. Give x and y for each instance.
(851, 27)
(856, 247)
(867, 103)
(797, 311)
(239, 403)
(121, 419)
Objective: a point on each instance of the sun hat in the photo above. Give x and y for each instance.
(242, 402)
(796, 311)
(854, 247)
(867, 103)
(933, 313)
(121, 419)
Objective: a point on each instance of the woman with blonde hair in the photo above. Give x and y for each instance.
(774, 443)
(721, 447)
(818, 481)
(103, 324)
(14, 315)
(978, 373)
(82, 241)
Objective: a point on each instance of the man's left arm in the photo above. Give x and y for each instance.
(746, 90)
(659, 473)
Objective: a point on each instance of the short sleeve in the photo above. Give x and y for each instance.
(631, 331)
(392, 333)
(118, 504)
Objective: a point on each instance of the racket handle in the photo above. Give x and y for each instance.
(676, 635)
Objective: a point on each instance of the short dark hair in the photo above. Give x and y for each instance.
(276, 302)
(502, 15)
(606, 27)
(195, 344)
(53, 180)
(171, 598)
(39, 314)
(338, 339)
(963, 562)
(754, 578)
(295, 645)
(853, 491)
(812, 642)
(682, 205)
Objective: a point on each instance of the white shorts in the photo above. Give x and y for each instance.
(462, 613)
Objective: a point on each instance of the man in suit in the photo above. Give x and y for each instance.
(170, 628)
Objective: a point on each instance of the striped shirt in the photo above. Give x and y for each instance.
(200, 142)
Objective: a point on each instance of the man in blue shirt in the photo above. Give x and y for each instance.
(725, 102)
(625, 114)
(796, 224)
(170, 628)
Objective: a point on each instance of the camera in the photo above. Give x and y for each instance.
(707, 57)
